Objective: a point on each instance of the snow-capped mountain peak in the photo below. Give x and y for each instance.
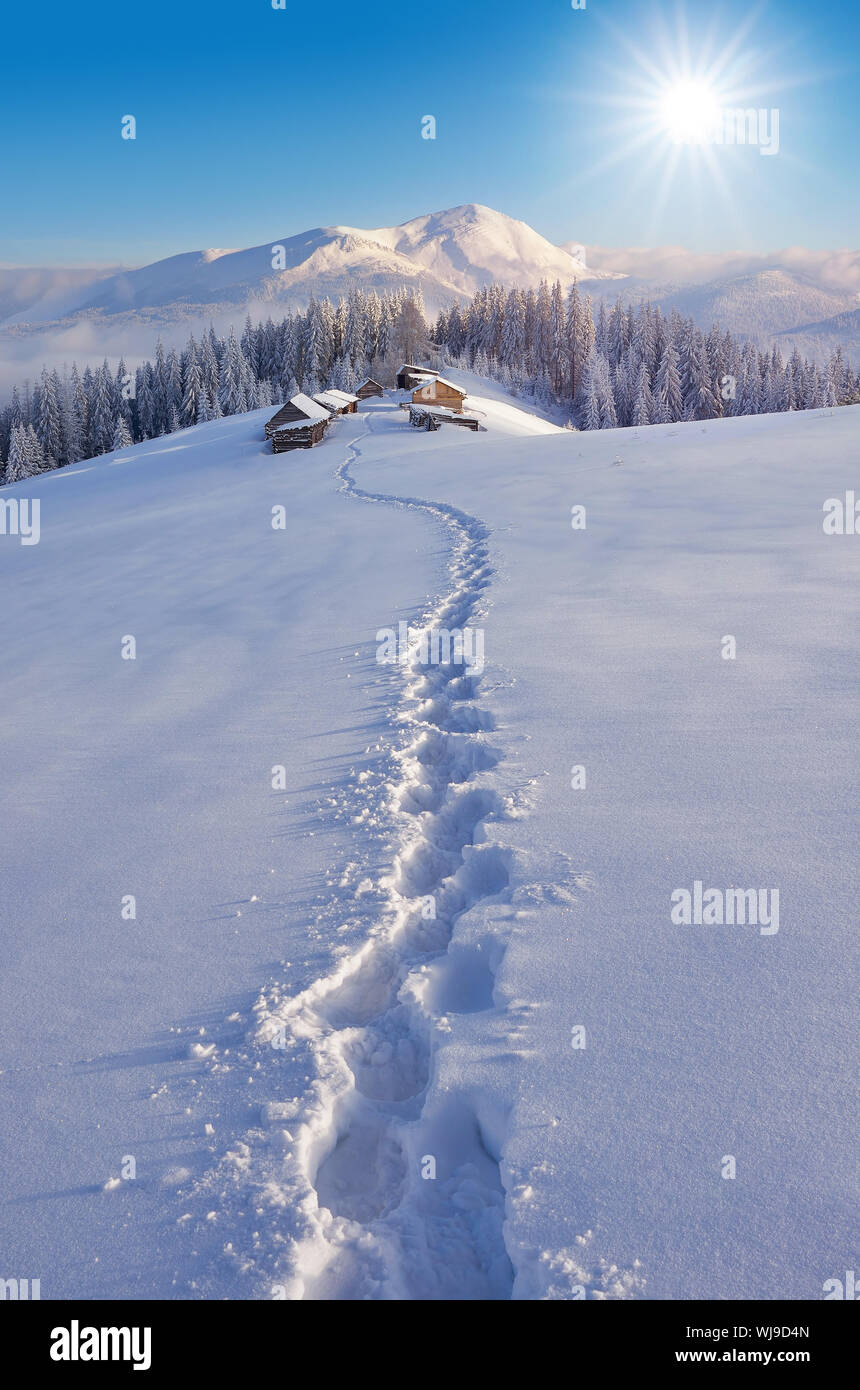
(448, 254)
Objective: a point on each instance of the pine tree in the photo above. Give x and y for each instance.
(590, 409)
(17, 466)
(580, 337)
(643, 403)
(193, 387)
(700, 401)
(103, 412)
(668, 403)
(122, 435)
(47, 420)
(231, 395)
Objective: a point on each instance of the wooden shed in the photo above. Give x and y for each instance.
(296, 435)
(369, 388)
(409, 374)
(299, 424)
(298, 408)
(337, 402)
(436, 390)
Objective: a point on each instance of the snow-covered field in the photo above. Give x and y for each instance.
(403, 1011)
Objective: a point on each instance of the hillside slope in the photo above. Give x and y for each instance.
(371, 911)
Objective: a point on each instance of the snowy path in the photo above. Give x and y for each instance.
(369, 1195)
(397, 1186)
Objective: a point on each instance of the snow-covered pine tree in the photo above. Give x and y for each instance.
(643, 403)
(231, 394)
(48, 420)
(122, 434)
(700, 400)
(668, 400)
(17, 464)
(102, 412)
(193, 385)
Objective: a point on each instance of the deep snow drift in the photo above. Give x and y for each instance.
(403, 1011)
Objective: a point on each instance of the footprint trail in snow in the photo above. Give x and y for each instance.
(369, 1192)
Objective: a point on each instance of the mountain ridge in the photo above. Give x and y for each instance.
(447, 255)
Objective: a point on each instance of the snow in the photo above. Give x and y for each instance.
(328, 400)
(311, 408)
(371, 910)
(334, 400)
(430, 383)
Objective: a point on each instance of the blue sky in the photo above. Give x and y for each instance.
(255, 123)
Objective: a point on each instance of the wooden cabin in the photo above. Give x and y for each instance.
(436, 390)
(296, 435)
(299, 424)
(298, 408)
(369, 388)
(408, 375)
(337, 402)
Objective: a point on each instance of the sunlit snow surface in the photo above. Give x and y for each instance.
(282, 1037)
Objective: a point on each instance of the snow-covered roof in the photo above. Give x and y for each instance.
(443, 381)
(312, 409)
(414, 367)
(300, 424)
(330, 400)
(339, 395)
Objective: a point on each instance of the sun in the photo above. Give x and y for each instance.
(689, 111)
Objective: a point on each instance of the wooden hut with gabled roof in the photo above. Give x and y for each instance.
(437, 390)
(409, 374)
(368, 388)
(337, 402)
(299, 424)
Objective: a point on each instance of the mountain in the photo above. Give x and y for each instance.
(447, 254)
(758, 296)
(758, 306)
(819, 340)
(55, 316)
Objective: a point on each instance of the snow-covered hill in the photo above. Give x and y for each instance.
(819, 340)
(326, 977)
(758, 306)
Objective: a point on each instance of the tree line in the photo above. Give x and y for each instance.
(628, 366)
(83, 413)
